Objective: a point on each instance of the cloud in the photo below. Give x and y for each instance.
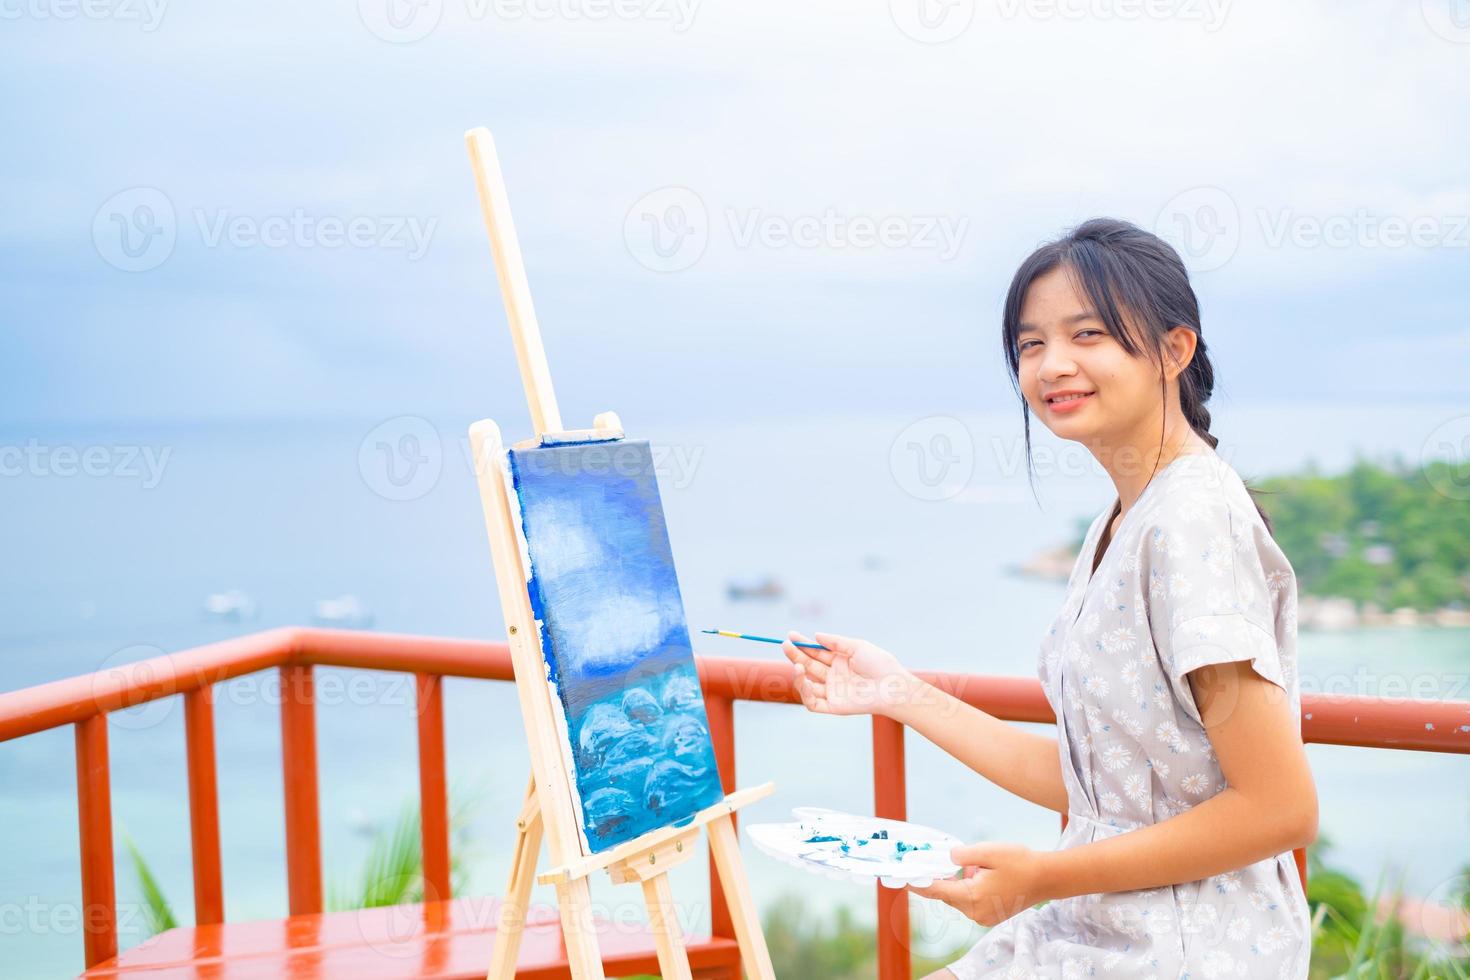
(1033, 117)
(616, 631)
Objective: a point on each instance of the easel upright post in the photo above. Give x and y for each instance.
(549, 808)
(515, 288)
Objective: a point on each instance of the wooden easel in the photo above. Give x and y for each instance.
(548, 808)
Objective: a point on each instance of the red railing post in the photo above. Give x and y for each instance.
(298, 763)
(433, 789)
(889, 801)
(721, 714)
(209, 903)
(94, 817)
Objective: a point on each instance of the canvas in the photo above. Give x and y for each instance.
(600, 575)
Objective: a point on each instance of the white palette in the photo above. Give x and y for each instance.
(863, 858)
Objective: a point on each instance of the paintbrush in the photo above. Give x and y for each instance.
(761, 639)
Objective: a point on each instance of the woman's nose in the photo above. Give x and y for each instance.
(1055, 363)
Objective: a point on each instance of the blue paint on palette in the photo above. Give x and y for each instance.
(611, 619)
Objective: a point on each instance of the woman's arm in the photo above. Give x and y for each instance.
(1268, 806)
(1021, 762)
(857, 677)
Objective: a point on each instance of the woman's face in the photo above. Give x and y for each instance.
(1064, 348)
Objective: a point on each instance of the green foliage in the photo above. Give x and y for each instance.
(159, 914)
(1353, 941)
(803, 946)
(393, 872)
(1378, 534)
(1381, 534)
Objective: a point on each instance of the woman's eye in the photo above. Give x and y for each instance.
(1023, 348)
(1100, 333)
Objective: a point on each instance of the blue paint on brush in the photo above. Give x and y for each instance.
(611, 621)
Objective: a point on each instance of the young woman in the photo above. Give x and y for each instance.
(1171, 667)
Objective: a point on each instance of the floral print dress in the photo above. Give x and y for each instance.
(1191, 578)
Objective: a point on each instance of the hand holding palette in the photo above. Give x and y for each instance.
(859, 848)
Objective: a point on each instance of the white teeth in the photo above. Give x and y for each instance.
(1068, 398)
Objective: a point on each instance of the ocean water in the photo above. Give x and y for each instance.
(899, 529)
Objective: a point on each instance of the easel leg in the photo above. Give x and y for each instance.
(726, 849)
(673, 960)
(574, 898)
(517, 902)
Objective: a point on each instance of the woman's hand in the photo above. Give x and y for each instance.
(850, 677)
(1001, 880)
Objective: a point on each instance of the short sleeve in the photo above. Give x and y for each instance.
(1214, 580)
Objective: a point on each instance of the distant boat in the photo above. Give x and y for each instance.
(1053, 564)
(360, 823)
(810, 607)
(764, 590)
(233, 606)
(346, 611)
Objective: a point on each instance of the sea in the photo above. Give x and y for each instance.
(900, 528)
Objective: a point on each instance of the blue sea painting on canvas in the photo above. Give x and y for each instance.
(606, 599)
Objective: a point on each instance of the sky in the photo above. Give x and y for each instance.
(728, 210)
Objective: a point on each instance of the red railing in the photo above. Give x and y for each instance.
(84, 702)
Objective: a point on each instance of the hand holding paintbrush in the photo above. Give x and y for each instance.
(847, 676)
(839, 675)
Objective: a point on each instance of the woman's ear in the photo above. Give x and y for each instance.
(1180, 343)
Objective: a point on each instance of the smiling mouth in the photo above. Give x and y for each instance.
(1069, 398)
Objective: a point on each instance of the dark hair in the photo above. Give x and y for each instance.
(1122, 268)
